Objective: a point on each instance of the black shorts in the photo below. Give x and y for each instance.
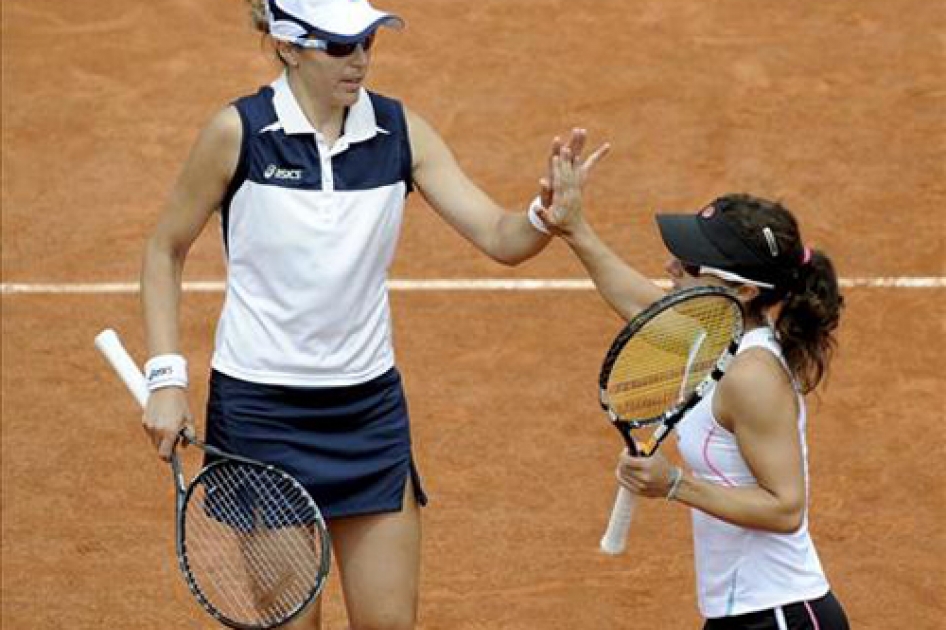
(824, 613)
(349, 446)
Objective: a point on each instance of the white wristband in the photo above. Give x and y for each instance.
(166, 370)
(534, 218)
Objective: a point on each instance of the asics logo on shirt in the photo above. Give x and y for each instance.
(274, 172)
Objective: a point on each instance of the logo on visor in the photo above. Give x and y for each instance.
(272, 171)
(708, 212)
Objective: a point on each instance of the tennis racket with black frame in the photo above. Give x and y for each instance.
(251, 542)
(661, 364)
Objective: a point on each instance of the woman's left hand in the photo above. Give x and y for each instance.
(645, 476)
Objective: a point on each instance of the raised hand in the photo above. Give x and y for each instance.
(566, 210)
(570, 151)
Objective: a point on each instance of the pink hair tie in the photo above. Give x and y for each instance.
(806, 256)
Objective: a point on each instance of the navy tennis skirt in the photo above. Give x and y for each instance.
(349, 446)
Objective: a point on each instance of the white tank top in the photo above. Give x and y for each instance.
(740, 570)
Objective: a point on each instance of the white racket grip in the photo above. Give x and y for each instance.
(112, 349)
(615, 537)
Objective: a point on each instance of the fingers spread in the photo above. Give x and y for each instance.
(597, 155)
(558, 169)
(577, 140)
(545, 192)
(556, 149)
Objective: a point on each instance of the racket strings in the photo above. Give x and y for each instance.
(258, 597)
(253, 543)
(258, 547)
(664, 362)
(265, 546)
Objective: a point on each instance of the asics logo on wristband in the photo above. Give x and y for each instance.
(159, 372)
(166, 370)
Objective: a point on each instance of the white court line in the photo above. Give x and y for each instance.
(485, 284)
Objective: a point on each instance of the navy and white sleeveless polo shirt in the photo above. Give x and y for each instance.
(310, 232)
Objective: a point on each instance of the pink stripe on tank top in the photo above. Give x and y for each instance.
(709, 464)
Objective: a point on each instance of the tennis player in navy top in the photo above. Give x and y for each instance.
(310, 175)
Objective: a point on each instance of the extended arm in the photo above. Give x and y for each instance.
(507, 237)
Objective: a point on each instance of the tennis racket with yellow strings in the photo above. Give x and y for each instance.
(661, 364)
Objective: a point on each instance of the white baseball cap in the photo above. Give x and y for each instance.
(342, 21)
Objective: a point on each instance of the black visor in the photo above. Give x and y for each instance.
(708, 238)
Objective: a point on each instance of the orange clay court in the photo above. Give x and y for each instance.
(835, 108)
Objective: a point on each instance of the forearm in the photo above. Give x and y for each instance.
(752, 507)
(160, 297)
(622, 286)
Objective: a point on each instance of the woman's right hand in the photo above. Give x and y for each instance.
(565, 214)
(561, 223)
(166, 415)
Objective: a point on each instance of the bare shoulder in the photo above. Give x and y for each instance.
(224, 130)
(426, 144)
(209, 168)
(216, 151)
(417, 126)
(415, 120)
(756, 387)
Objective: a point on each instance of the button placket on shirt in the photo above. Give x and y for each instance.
(324, 206)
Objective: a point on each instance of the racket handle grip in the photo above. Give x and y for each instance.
(615, 538)
(112, 349)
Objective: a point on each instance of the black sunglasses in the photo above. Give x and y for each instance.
(337, 49)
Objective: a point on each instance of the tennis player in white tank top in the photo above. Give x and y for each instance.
(741, 570)
(745, 447)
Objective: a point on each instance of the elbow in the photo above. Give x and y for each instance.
(156, 246)
(508, 245)
(161, 256)
(509, 261)
(507, 256)
(789, 518)
(789, 524)
(160, 247)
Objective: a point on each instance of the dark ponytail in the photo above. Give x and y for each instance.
(807, 322)
(807, 287)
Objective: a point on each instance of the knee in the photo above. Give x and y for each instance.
(386, 620)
